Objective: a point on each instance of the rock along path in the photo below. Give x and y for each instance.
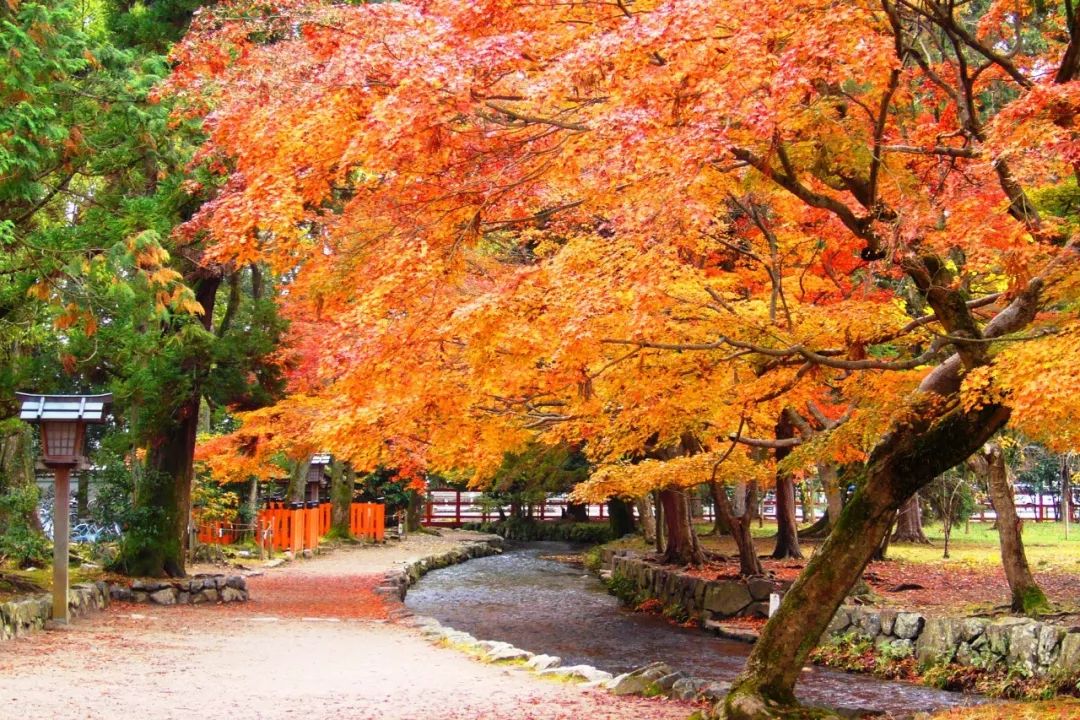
(313, 643)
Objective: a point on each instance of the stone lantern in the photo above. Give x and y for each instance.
(63, 420)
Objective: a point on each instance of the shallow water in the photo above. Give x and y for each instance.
(549, 607)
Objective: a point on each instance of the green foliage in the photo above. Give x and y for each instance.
(528, 476)
(212, 502)
(526, 530)
(20, 543)
(622, 587)
(592, 558)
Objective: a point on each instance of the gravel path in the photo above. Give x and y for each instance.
(313, 643)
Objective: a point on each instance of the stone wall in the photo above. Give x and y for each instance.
(707, 600)
(196, 590)
(21, 617)
(1006, 642)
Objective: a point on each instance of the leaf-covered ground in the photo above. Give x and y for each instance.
(314, 643)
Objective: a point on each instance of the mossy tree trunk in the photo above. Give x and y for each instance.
(1027, 597)
(342, 480)
(163, 493)
(933, 439)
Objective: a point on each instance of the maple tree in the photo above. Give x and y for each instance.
(631, 224)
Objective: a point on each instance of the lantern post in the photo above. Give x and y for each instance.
(63, 420)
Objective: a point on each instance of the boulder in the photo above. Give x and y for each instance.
(869, 624)
(972, 628)
(236, 582)
(687, 688)
(888, 621)
(543, 662)
(714, 691)
(1024, 645)
(760, 588)
(1050, 637)
(908, 625)
(1069, 657)
(628, 684)
(726, 597)
(939, 640)
(230, 594)
(164, 596)
(840, 622)
(997, 632)
(508, 654)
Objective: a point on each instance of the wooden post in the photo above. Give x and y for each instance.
(61, 535)
(457, 507)
(429, 512)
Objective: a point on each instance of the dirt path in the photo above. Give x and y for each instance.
(313, 644)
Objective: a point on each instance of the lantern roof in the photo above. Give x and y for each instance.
(78, 408)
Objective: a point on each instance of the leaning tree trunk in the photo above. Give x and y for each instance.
(1027, 596)
(578, 512)
(787, 527)
(908, 457)
(682, 546)
(909, 527)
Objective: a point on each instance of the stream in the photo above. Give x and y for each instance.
(545, 606)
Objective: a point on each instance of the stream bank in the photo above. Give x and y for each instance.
(544, 607)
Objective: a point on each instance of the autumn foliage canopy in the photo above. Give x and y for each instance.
(625, 224)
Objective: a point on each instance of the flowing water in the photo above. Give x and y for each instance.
(545, 606)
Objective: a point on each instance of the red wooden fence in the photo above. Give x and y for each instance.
(282, 527)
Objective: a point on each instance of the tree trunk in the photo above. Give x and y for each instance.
(787, 528)
(682, 543)
(414, 511)
(933, 438)
(661, 535)
(834, 496)
(297, 491)
(749, 564)
(648, 520)
(1027, 597)
(342, 481)
(721, 520)
(164, 491)
(17, 472)
(253, 500)
(807, 491)
(620, 517)
(577, 512)
(909, 527)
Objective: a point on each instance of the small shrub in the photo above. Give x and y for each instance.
(19, 542)
(622, 587)
(676, 613)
